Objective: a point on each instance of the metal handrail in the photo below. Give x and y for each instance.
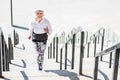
(74, 31)
(6, 51)
(109, 50)
(95, 35)
(54, 45)
(69, 36)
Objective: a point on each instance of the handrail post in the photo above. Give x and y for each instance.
(3, 52)
(98, 40)
(61, 58)
(0, 55)
(88, 49)
(11, 11)
(0, 62)
(96, 68)
(66, 46)
(10, 49)
(116, 64)
(14, 37)
(73, 50)
(7, 57)
(81, 53)
(50, 50)
(102, 44)
(56, 49)
(86, 37)
(110, 61)
(95, 44)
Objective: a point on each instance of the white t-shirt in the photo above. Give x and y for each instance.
(38, 28)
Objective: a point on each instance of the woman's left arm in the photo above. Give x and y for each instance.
(49, 28)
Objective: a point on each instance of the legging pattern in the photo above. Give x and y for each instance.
(40, 49)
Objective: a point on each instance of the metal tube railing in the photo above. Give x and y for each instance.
(61, 54)
(102, 43)
(16, 38)
(81, 53)
(51, 51)
(95, 44)
(94, 38)
(6, 53)
(116, 60)
(3, 53)
(0, 54)
(10, 49)
(71, 39)
(54, 48)
(66, 50)
(110, 61)
(73, 50)
(88, 48)
(48, 52)
(57, 40)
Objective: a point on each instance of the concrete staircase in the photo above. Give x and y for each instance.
(24, 66)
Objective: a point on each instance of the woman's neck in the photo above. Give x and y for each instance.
(38, 20)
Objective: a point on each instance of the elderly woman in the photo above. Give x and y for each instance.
(39, 30)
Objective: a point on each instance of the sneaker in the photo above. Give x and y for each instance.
(40, 66)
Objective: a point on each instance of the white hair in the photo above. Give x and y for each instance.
(37, 11)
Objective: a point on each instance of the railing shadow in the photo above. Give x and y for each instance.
(20, 27)
(24, 75)
(6, 79)
(69, 61)
(104, 75)
(70, 75)
(90, 77)
(87, 76)
(109, 62)
(106, 61)
(67, 64)
(24, 64)
(64, 64)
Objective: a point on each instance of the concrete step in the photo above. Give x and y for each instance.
(44, 75)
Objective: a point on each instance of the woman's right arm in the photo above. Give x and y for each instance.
(30, 30)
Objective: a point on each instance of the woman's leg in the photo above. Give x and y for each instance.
(37, 47)
(41, 50)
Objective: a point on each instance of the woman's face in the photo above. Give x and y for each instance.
(39, 14)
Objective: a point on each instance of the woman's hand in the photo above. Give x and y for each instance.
(46, 30)
(29, 37)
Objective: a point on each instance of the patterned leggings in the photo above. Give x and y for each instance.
(40, 49)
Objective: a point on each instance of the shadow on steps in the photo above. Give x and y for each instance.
(70, 75)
